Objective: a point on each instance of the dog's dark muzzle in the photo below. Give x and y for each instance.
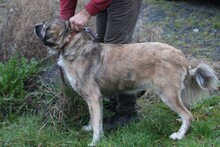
(39, 31)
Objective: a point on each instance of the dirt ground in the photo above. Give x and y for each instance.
(192, 26)
(3, 13)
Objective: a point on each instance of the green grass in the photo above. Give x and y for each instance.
(13, 74)
(154, 128)
(28, 130)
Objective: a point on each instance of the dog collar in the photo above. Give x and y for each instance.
(91, 32)
(73, 33)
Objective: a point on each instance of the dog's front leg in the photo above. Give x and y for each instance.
(95, 109)
(88, 127)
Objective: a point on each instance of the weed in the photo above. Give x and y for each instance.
(13, 75)
(2, 1)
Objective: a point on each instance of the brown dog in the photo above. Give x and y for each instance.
(96, 69)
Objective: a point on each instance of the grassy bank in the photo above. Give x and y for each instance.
(154, 128)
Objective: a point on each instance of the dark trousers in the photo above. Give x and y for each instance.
(116, 25)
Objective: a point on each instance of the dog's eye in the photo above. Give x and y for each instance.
(48, 39)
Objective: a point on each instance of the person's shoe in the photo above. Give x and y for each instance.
(120, 120)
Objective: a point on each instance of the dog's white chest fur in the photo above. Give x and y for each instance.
(71, 79)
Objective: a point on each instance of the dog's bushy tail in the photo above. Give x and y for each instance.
(199, 81)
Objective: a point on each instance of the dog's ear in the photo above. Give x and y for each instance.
(39, 31)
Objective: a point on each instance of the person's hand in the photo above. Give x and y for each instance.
(79, 20)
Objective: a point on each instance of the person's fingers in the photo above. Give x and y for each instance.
(72, 25)
(79, 20)
(77, 27)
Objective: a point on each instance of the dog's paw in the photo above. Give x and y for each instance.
(179, 119)
(87, 128)
(91, 144)
(176, 136)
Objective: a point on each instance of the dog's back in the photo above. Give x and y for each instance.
(133, 66)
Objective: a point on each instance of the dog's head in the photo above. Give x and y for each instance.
(53, 33)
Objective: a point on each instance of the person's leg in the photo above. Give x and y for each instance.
(122, 18)
(101, 23)
(125, 111)
(126, 104)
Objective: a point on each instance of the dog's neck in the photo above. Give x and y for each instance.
(73, 33)
(91, 32)
(82, 43)
(69, 38)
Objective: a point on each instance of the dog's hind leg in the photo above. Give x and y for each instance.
(171, 96)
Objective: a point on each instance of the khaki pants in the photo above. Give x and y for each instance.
(116, 25)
